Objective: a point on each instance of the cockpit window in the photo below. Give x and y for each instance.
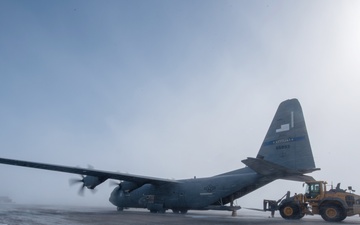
(312, 190)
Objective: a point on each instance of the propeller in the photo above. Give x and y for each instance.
(74, 181)
(125, 186)
(118, 186)
(82, 180)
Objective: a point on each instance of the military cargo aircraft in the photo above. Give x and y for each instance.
(284, 154)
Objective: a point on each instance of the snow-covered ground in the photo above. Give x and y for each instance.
(17, 214)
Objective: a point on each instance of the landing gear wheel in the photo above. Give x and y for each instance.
(290, 211)
(157, 211)
(332, 213)
(161, 211)
(177, 211)
(120, 209)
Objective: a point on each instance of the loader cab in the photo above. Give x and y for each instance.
(314, 190)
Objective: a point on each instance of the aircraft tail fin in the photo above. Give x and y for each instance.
(285, 152)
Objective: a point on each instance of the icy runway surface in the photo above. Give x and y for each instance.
(15, 214)
(11, 214)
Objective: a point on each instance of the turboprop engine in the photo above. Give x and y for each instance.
(87, 181)
(125, 186)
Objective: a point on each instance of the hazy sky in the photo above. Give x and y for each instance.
(172, 89)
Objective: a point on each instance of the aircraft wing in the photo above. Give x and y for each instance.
(140, 180)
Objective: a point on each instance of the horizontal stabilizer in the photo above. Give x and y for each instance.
(267, 168)
(264, 167)
(303, 178)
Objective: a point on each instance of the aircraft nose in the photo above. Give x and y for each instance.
(114, 195)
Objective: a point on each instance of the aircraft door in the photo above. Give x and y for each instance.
(153, 203)
(147, 199)
(182, 200)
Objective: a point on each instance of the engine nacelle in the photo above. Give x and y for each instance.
(91, 182)
(128, 186)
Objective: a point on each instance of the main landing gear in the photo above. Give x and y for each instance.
(179, 211)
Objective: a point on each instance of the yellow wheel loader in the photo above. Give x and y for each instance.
(332, 205)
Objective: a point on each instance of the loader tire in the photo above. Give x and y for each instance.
(332, 213)
(291, 211)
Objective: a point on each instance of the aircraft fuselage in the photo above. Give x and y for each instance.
(197, 193)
